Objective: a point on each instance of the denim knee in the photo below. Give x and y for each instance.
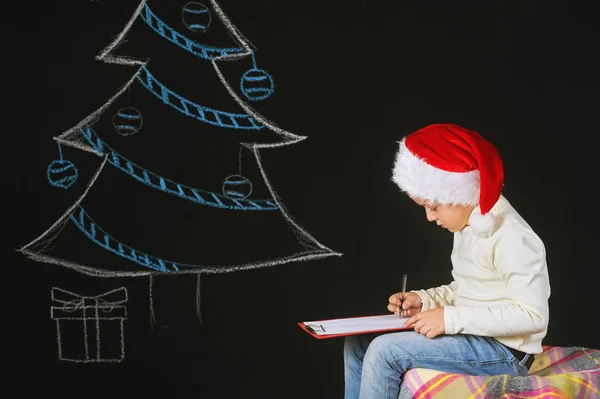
(352, 348)
(380, 354)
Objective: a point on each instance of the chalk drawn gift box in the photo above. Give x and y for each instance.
(90, 328)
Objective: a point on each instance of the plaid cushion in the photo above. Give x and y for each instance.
(557, 372)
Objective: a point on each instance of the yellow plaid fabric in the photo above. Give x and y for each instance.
(558, 372)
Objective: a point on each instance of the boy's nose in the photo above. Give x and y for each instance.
(429, 214)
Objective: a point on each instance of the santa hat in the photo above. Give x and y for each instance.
(451, 165)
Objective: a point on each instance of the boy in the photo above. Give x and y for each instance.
(492, 318)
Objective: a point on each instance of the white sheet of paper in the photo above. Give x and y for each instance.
(356, 324)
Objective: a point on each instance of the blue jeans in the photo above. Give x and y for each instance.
(375, 363)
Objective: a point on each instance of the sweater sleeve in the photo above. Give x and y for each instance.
(437, 297)
(520, 258)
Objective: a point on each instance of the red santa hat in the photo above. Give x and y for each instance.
(451, 165)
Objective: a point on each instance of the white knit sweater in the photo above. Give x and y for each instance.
(501, 285)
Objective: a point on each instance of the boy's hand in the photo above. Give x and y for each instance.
(429, 323)
(411, 304)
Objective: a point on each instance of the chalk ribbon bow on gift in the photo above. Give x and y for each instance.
(74, 303)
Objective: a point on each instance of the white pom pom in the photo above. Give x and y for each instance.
(482, 225)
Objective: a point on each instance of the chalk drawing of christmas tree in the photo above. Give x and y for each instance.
(177, 183)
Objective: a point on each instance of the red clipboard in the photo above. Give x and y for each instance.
(368, 328)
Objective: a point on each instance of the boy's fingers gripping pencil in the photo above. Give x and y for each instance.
(401, 311)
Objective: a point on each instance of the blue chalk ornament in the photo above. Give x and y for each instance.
(196, 17)
(127, 121)
(61, 173)
(257, 84)
(237, 187)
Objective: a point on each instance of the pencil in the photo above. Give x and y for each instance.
(404, 278)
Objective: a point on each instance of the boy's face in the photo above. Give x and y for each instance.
(450, 217)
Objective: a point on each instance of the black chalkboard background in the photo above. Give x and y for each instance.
(354, 77)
